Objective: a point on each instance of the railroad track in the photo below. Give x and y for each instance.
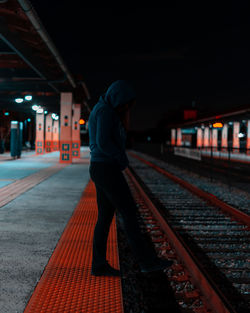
(210, 244)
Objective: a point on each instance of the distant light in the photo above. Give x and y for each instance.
(53, 115)
(243, 121)
(56, 118)
(6, 113)
(28, 98)
(28, 119)
(35, 107)
(230, 123)
(14, 122)
(45, 112)
(217, 125)
(241, 135)
(82, 121)
(148, 138)
(39, 110)
(19, 100)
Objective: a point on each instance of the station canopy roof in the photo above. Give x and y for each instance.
(238, 114)
(30, 63)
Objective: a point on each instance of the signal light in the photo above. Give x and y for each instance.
(217, 125)
(81, 121)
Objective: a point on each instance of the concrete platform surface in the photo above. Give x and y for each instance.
(31, 224)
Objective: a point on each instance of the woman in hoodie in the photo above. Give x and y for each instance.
(107, 123)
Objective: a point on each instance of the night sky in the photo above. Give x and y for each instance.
(176, 56)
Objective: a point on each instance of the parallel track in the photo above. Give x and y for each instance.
(211, 246)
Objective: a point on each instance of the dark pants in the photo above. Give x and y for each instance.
(113, 193)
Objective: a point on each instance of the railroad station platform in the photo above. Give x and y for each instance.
(47, 218)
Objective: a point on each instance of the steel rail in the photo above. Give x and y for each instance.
(237, 214)
(211, 293)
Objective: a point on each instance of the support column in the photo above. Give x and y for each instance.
(66, 128)
(20, 140)
(39, 133)
(76, 139)
(55, 135)
(248, 137)
(179, 137)
(206, 137)
(215, 138)
(236, 139)
(48, 133)
(199, 138)
(13, 138)
(173, 137)
(224, 137)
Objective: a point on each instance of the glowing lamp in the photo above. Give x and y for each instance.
(56, 118)
(40, 110)
(217, 125)
(241, 135)
(28, 120)
(6, 113)
(35, 107)
(19, 100)
(28, 98)
(81, 121)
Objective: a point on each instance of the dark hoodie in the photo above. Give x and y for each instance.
(107, 136)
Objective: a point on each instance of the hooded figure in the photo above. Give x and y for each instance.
(107, 136)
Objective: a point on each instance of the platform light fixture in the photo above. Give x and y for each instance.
(28, 119)
(45, 112)
(6, 113)
(28, 98)
(39, 110)
(241, 135)
(35, 107)
(19, 100)
(55, 116)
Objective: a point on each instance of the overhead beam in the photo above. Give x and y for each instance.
(25, 53)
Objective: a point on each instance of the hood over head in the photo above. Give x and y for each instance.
(119, 92)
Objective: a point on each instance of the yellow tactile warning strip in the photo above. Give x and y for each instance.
(67, 285)
(13, 190)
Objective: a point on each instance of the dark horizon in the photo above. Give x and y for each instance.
(174, 56)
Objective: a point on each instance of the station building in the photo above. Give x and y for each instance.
(225, 136)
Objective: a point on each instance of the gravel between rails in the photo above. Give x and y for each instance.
(231, 195)
(142, 293)
(201, 225)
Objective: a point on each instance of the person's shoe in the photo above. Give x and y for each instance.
(105, 270)
(157, 265)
